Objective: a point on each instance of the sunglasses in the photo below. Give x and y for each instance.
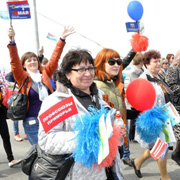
(112, 62)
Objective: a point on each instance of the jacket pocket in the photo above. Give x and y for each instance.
(43, 170)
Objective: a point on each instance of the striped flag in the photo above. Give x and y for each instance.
(158, 149)
(4, 15)
(52, 37)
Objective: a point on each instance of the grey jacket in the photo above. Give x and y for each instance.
(59, 140)
(172, 78)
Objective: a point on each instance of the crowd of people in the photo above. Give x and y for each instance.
(88, 81)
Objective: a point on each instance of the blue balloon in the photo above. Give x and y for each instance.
(135, 10)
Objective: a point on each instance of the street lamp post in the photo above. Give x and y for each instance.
(35, 22)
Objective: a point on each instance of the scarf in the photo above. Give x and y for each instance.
(42, 89)
(168, 94)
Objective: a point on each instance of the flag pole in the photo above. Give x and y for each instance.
(11, 26)
(35, 25)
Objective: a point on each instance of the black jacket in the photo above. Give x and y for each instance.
(126, 60)
(10, 77)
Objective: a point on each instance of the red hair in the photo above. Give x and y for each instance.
(168, 57)
(100, 60)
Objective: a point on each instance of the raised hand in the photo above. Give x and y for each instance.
(67, 31)
(41, 51)
(11, 34)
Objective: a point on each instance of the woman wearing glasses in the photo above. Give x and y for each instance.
(164, 67)
(109, 79)
(74, 79)
(170, 58)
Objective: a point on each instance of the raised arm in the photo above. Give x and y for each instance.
(53, 61)
(16, 65)
(126, 60)
(67, 31)
(40, 54)
(11, 34)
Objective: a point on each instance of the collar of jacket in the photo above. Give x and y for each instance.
(82, 97)
(76, 91)
(113, 79)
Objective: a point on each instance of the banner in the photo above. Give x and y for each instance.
(104, 145)
(135, 27)
(172, 113)
(132, 27)
(58, 113)
(19, 10)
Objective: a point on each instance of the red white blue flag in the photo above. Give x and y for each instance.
(159, 149)
(19, 10)
(52, 37)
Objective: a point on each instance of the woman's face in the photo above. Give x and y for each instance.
(112, 66)
(83, 78)
(171, 59)
(31, 64)
(165, 65)
(154, 65)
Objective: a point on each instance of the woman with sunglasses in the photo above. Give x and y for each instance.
(164, 67)
(109, 79)
(170, 58)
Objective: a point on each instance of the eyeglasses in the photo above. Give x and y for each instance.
(112, 62)
(166, 63)
(83, 70)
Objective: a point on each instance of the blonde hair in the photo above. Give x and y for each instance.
(138, 59)
(44, 61)
(163, 61)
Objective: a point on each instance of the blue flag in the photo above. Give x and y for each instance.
(19, 10)
(132, 27)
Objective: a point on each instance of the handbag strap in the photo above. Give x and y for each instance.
(25, 81)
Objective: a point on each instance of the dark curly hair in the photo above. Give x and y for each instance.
(72, 58)
(149, 55)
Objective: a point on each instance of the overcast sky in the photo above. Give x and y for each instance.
(96, 22)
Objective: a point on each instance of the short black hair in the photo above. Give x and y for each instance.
(72, 58)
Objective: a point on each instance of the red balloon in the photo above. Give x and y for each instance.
(141, 94)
